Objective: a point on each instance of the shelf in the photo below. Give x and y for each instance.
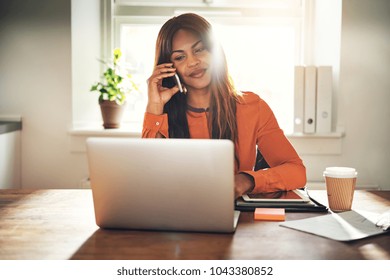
(333, 135)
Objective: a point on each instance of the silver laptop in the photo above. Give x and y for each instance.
(163, 184)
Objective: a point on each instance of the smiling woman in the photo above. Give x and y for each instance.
(260, 54)
(185, 46)
(213, 108)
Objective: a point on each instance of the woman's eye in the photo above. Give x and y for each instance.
(179, 58)
(198, 50)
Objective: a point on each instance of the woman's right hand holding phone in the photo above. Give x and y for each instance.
(158, 95)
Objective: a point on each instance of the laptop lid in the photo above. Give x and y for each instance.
(163, 184)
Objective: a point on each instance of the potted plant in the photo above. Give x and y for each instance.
(113, 91)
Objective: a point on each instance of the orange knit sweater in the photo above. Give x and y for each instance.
(257, 127)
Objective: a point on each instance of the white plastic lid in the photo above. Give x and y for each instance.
(340, 172)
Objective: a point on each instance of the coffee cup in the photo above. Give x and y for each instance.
(340, 187)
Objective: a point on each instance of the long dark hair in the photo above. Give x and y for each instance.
(222, 121)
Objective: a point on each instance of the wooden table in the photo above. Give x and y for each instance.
(59, 224)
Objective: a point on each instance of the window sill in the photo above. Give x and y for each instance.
(305, 144)
(126, 130)
(80, 133)
(332, 135)
(317, 144)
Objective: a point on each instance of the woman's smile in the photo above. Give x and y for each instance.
(199, 73)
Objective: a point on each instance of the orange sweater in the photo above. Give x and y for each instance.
(257, 127)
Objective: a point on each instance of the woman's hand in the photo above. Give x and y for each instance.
(243, 183)
(158, 95)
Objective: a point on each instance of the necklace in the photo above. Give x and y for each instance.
(197, 110)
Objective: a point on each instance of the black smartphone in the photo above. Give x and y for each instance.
(172, 81)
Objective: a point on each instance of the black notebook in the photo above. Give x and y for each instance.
(278, 201)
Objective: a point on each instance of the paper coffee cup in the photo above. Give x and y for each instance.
(340, 187)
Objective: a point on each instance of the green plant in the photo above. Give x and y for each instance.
(116, 85)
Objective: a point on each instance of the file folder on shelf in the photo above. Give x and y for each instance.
(324, 99)
(309, 125)
(299, 84)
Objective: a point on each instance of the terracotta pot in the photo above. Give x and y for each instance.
(111, 113)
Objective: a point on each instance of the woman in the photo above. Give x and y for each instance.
(210, 107)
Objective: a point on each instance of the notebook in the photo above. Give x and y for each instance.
(295, 196)
(163, 184)
(291, 201)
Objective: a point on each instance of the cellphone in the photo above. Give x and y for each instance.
(172, 81)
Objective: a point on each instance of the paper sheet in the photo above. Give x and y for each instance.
(345, 226)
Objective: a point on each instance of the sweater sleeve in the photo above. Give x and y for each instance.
(286, 171)
(154, 124)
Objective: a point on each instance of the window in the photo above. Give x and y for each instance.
(262, 44)
(261, 59)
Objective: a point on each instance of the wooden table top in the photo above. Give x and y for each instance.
(60, 224)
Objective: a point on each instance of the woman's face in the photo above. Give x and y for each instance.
(191, 60)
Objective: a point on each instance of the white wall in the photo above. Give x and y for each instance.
(86, 50)
(36, 82)
(365, 87)
(363, 94)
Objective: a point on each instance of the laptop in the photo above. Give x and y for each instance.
(163, 184)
